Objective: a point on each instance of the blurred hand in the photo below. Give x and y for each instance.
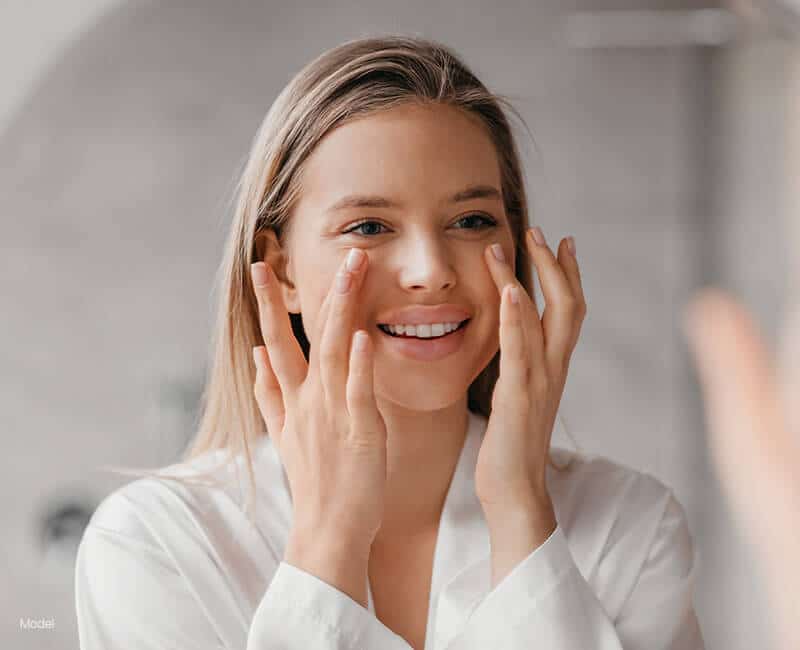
(752, 412)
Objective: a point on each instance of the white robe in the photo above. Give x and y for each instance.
(163, 565)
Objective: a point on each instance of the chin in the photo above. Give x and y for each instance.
(429, 386)
(429, 394)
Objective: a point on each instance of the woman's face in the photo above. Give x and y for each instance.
(424, 249)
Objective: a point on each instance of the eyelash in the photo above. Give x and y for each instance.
(488, 223)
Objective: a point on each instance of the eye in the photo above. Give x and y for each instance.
(485, 223)
(353, 229)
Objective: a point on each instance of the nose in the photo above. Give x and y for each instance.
(426, 266)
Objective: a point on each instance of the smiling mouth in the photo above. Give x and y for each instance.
(385, 330)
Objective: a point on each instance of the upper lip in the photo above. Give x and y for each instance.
(425, 314)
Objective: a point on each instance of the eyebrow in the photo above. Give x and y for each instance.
(467, 194)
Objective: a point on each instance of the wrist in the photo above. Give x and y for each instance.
(528, 522)
(533, 508)
(333, 559)
(514, 533)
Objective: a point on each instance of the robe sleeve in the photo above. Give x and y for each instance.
(129, 593)
(300, 611)
(545, 602)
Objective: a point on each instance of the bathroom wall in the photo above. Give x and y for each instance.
(125, 125)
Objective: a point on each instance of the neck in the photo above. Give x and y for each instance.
(423, 448)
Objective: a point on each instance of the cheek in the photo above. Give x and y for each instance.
(489, 294)
(311, 298)
(490, 314)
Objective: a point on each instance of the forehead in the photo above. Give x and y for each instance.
(410, 154)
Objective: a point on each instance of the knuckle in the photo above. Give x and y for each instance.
(523, 402)
(327, 356)
(571, 304)
(359, 396)
(357, 441)
(541, 383)
(340, 308)
(519, 401)
(341, 423)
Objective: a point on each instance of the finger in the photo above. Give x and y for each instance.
(514, 362)
(285, 356)
(756, 453)
(337, 333)
(569, 263)
(319, 327)
(561, 306)
(746, 428)
(365, 418)
(268, 394)
(503, 275)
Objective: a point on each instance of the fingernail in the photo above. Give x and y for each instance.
(342, 282)
(259, 272)
(360, 341)
(354, 259)
(514, 293)
(538, 235)
(571, 244)
(497, 251)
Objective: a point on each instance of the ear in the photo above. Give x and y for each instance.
(270, 251)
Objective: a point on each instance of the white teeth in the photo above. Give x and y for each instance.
(422, 331)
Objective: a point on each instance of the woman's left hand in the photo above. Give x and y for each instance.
(534, 358)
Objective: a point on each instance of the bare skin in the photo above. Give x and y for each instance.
(420, 255)
(400, 579)
(355, 427)
(752, 417)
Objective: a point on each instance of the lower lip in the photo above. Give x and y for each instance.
(427, 349)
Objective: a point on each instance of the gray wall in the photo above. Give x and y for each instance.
(114, 199)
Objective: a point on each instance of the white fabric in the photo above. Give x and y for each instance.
(168, 565)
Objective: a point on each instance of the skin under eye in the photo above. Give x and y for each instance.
(484, 222)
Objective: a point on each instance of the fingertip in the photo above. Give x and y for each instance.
(562, 254)
(565, 251)
(258, 271)
(361, 342)
(507, 304)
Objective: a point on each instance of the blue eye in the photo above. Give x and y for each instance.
(485, 223)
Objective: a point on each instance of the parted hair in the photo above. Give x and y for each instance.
(351, 80)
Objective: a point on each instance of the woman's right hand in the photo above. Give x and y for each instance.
(322, 415)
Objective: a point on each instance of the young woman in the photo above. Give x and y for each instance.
(396, 423)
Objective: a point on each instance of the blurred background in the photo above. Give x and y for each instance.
(659, 142)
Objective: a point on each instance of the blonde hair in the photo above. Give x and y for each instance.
(351, 80)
